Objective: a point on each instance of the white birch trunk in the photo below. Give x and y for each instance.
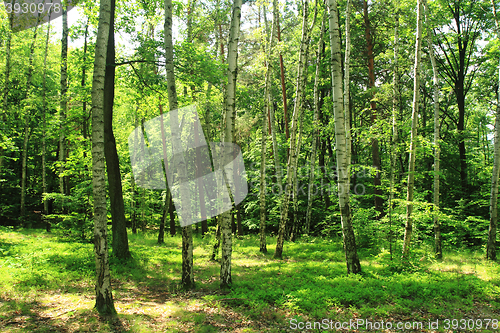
(230, 104)
(413, 138)
(352, 260)
(104, 298)
(492, 231)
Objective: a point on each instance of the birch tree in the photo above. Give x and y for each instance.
(492, 231)
(63, 105)
(435, 82)
(229, 118)
(413, 137)
(104, 297)
(351, 254)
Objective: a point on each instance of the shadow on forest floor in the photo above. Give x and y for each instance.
(47, 286)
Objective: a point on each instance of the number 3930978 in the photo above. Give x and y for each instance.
(32, 8)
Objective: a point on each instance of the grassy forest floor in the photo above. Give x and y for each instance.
(46, 285)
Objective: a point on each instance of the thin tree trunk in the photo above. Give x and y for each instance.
(104, 298)
(63, 103)
(263, 143)
(179, 163)
(229, 119)
(395, 110)
(44, 128)
(5, 91)
(166, 206)
(272, 121)
(351, 255)
(492, 231)
(347, 107)
(315, 126)
(373, 106)
(119, 227)
(282, 77)
(172, 217)
(437, 227)
(291, 165)
(413, 138)
(27, 128)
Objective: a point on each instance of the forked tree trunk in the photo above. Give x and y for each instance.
(492, 231)
(291, 165)
(104, 298)
(437, 227)
(351, 254)
(413, 138)
(187, 234)
(229, 119)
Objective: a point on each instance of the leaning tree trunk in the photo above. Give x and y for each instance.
(229, 119)
(351, 254)
(291, 165)
(179, 163)
(119, 227)
(63, 180)
(413, 138)
(492, 232)
(104, 298)
(437, 227)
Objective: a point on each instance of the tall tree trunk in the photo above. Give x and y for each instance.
(104, 298)
(119, 227)
(272, 120)
(413, 138)
(282, 77)
(27, 126)
(347, 69)
(395, 110)
(63, 180)
(229, 119)
(291, 165)
(437, 227)
(373, 106)
(5, 90)
(179, 163)
(44, 127)
(263, 143)
(492, 231)
(316, 126)
(351, 254)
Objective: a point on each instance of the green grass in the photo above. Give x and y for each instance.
(46, 284)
